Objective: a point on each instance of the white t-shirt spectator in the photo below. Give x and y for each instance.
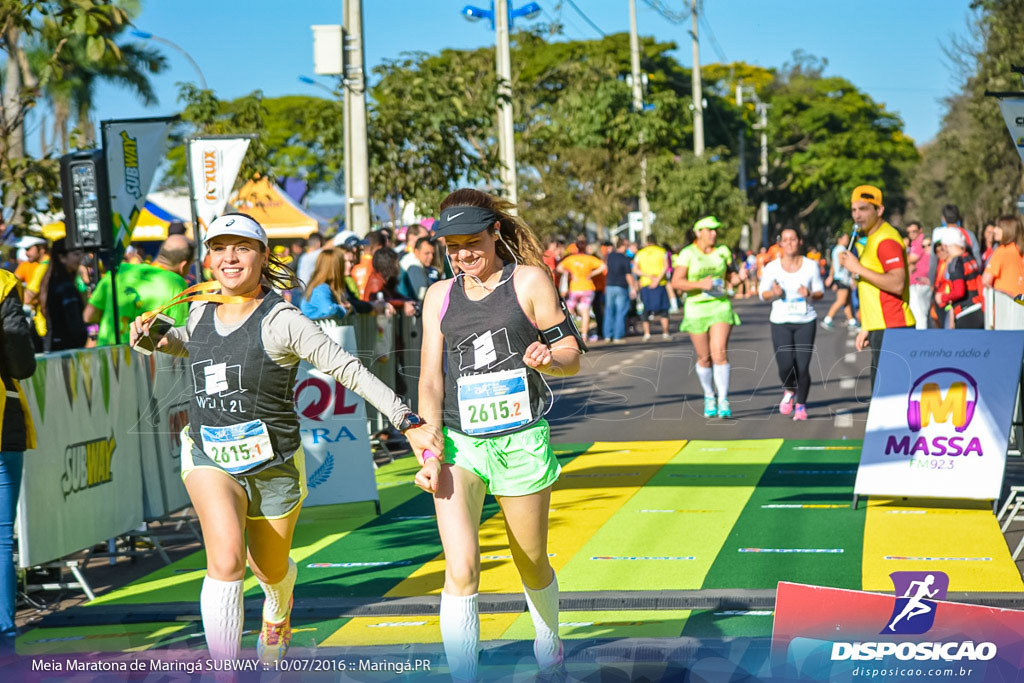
(792, 308)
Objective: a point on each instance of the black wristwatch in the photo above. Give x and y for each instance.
(410, 421)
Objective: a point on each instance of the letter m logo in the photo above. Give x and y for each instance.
(938, 408)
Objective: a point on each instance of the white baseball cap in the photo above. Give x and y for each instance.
(949, 236)
(236, 224)
(28, 241)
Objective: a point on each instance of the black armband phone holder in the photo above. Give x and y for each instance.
(564, 329)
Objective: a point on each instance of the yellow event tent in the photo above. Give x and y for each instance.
(279, 215)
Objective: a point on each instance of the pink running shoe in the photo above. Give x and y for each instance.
(786, 404)
(801, 412)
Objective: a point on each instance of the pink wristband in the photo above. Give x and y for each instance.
(427, 455)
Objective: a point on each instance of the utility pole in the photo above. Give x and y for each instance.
(357, 194)
(762, 108)
(506, 135)
(638, 106)
(742, 181)
(698, 92)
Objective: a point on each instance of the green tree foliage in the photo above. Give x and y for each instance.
(31, 183)
(431, 125)
(827, 137)
(686, 188)
(972, 162)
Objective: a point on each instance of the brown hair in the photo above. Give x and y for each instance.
(329, 270)
(1013, 231)
(518, 242)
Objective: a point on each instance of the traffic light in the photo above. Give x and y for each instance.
(86, 200)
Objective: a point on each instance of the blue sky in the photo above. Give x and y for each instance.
(890, 48)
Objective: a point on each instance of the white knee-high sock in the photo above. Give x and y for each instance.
(704, 375)
(543, 606)
(220, 603)
(460, 632)
(722, 380)
(278, 595)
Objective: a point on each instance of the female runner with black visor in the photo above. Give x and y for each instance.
(489, 337)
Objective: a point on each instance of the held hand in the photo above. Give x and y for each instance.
(938, 298)
(409, 309)
(537, 355)
(862, 340)
(850, 262)
(429, 475)
(140, 328)
(706, 284)
(426, 437)
(803, 292)
(828, 282)
(777, 291)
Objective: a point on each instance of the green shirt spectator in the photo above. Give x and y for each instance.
(142, 287)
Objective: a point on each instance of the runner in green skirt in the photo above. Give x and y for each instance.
(702, 270)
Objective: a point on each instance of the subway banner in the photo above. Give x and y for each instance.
(836, 635)
(332, 423)
(83, 483)
(213, 164)
(134, 148)
(939, 420)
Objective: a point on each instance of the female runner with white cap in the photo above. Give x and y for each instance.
(242, 459)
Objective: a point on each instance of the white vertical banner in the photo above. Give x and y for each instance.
(133, 148)
(213, 164)
(1013, 114)
(332, 423)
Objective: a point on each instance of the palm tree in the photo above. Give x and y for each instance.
(74, 92)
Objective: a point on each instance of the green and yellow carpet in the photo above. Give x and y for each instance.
(625, 516)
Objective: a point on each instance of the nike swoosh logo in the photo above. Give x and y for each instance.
(455, 215)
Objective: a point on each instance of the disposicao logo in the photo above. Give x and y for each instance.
(913, 613)
(945, 396)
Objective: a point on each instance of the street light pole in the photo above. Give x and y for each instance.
(698, 96)
(145, 35)
(638, 106)
(506, 133)
(358, 191)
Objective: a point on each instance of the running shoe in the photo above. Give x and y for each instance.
(275, 638)
(666, 336)
(853, 324)
(710, 406)
(786, 404)
(826, 324)
(647, 337)
(554, 671)
(800, 413)
(723, 408)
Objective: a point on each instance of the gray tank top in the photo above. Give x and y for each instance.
(489, 337)
(235, 381)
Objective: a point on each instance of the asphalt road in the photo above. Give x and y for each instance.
(649, 390)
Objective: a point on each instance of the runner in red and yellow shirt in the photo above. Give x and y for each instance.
(883, 286)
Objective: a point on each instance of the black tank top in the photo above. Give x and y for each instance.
(235, 381)
(488, 336)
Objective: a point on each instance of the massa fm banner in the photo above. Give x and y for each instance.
(939, 419)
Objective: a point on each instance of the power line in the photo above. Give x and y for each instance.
(669, 15)
(586, 18)
(714, 40)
